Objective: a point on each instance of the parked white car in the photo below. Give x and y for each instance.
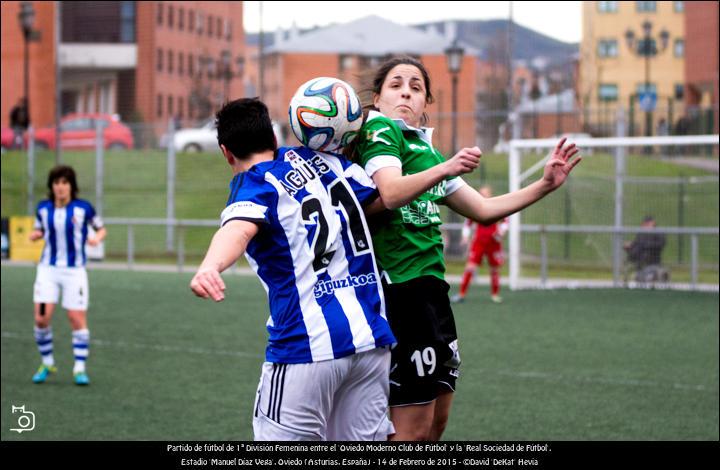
(203, 139)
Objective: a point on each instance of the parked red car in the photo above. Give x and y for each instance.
(7, 137)
(77, 131)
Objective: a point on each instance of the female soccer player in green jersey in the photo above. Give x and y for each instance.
(413, 178)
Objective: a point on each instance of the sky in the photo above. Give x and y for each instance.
(559, 20)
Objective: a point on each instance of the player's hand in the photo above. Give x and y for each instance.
(93, 241)
(207, 283)
(560, 164)
(465, 161)
(35, 235)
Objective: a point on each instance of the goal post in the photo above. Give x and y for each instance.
(617, 229)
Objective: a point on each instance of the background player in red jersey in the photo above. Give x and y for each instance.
(487, 242)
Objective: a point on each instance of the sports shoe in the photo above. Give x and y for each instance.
(496, 298)
(42, 373)
(81, 378)
(457, 299)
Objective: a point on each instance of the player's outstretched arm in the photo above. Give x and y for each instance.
(468, 202)
(227, 245)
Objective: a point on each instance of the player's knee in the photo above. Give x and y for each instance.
(419, 433)
(438, 427)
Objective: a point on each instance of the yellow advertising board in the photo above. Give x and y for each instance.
(21, 248)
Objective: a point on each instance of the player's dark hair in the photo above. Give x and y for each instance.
(244, 127)
(62, 171)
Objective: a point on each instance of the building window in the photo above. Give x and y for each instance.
(679, 7)
(191, 65)
(218, 28)
(200, 22)
(646, 7)
(127, 21)
(346, 62)
(607, 92)
(170, 57)
(607, 48)
(159, 105)
(642, 88)
(679, 48)
(171, 16)
(181, 106)
(159, 60)
(160, 12)
(679, 91)
(607, 7)
(170, 110)
(181, 63)
(181, 19)
(210, 25)
(228, 30)
(191, 20)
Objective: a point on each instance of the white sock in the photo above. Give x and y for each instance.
(43, 339)
(81, 349)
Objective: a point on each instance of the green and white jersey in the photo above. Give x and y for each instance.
(408, 243)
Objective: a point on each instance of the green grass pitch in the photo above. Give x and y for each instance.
(544, 365)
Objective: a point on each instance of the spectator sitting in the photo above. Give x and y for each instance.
(645, 251)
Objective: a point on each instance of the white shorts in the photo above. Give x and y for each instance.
(337, 400)
(72, 281)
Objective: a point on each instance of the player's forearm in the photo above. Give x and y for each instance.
(101, 234)
(510, 203)
(471, 204)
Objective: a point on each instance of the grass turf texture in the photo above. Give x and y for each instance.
(544, 365)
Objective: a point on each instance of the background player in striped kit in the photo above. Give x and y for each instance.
(297, 214)
(486, 243)
(63, 221)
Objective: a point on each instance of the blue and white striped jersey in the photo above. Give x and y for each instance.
(65, 230)
(313, 254)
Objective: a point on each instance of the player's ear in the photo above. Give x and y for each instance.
(376, 98)
(227, 154)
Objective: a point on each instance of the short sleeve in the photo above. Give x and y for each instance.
(381, 145)
(361, 184)
(251, 198)
(93, 218)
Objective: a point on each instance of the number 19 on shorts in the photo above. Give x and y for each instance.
(424, 359)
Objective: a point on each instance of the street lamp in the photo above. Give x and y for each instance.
(454, 55)
(27, 20)
(646, 47)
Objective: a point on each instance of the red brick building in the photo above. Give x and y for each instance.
(701, 56)
(350, 51)
(147, 61)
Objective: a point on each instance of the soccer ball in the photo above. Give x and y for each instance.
(325, 114)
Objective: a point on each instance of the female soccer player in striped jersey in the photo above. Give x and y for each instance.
(63, 221)
(297, 215)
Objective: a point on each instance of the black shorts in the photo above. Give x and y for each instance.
(426, 358)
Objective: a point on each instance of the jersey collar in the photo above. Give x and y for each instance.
(425, 133)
